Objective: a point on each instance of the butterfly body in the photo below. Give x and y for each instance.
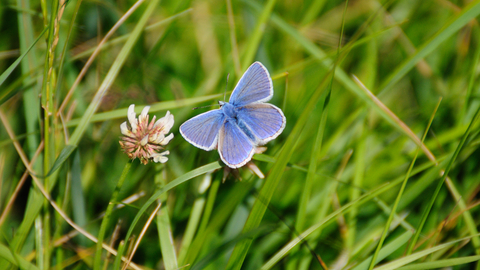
(241, 124)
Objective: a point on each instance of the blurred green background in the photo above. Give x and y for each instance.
(358, 82)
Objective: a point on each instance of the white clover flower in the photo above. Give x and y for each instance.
(144, 140)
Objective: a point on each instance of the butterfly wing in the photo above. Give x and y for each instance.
(202, 130)
(264, 121)
(234, 146)
(254, 86)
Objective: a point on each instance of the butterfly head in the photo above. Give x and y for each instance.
(229, 110)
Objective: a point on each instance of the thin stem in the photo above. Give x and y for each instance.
(440, 184)
(44, 192)
(97, 265)
(95, 53)
(142, 233)
(19, 186)
(400, 193)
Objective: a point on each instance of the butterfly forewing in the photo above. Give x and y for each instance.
(263, 120)
(234, 146)
(202, 130)
(254, 86)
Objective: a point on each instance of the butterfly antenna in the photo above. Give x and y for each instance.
(225, 93)
(284, 105)
(194, 108)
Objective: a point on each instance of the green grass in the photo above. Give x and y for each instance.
(351, 183)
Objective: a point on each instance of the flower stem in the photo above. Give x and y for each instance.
(108, 214)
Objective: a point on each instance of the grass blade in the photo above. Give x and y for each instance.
(388, 249)
(441, 263)
(16, 259)
(439, 185)
(256, 36)
(345, 209)
(167, 246)
(191, 174)
(400, 193)
(457, 21)
(415, 256)
(10, 69)
(97, 262)
(155, 107)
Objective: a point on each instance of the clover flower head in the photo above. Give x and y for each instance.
(144, 140)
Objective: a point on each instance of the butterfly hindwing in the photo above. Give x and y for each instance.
(234, 146)
(202, 130)
(254, 86)
(264, 121)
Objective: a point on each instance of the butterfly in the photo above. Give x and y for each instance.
(242, 123)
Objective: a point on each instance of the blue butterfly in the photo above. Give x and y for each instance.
(240, 124)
